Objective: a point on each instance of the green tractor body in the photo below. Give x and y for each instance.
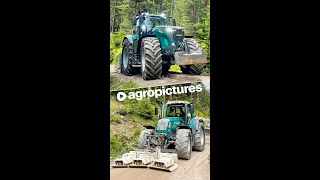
(177, 130)
(155, 44)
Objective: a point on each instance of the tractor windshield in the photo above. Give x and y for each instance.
(156, 21)
(175, 110)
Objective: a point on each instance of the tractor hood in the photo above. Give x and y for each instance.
(176, 33)
(163, 124)
(167, 28)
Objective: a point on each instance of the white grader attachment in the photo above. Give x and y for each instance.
(142, 159)
(166, 162)
(125, 160)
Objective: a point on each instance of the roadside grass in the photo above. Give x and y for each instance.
(116, 83)
(125, 126)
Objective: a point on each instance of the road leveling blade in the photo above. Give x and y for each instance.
(142, 160)
(125, 160)
(160, 166)
(166, 162)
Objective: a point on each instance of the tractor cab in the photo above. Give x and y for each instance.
(178, 111)
(175, 114)
(144, 22)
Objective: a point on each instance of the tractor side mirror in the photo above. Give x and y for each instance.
(134, 20)
(156, 111)
(191, 108)
(174, 22)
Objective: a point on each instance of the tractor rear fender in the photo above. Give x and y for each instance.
(139, 42)
(196, 123)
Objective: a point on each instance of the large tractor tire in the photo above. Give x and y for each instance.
(193, 46)
(151, 61)
(142, 138)
(200, 142)
(183, 143)
(127, 58)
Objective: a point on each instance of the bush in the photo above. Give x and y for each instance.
(115, 118)
(115, 46)
(143, 108)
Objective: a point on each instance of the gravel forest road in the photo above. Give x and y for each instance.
(175, 77)
(197, 168)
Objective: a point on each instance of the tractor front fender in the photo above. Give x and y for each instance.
(185, 127)
(129, 37)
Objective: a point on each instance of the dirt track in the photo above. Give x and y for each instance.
(197, 168)
(174, 78)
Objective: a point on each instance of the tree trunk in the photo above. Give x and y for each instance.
(171, 8)
(114, 16)
(197, 97)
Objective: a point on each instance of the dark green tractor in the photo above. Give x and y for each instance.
(177, 131)
(155, 44)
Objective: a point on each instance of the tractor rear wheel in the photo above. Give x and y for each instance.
(151, 61)
(127, 58)
(183, 144)
(142, 142)
(199, 139)
(193, 46)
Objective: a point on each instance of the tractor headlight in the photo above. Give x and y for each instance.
(143, 28)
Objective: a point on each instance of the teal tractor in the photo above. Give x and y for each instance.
(177, 131)
(155, 44)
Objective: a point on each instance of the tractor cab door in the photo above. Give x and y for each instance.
(140, 24)
(137, 32)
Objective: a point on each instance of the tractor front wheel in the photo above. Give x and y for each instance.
(183, 143)
(151, 61)
(143, 138)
